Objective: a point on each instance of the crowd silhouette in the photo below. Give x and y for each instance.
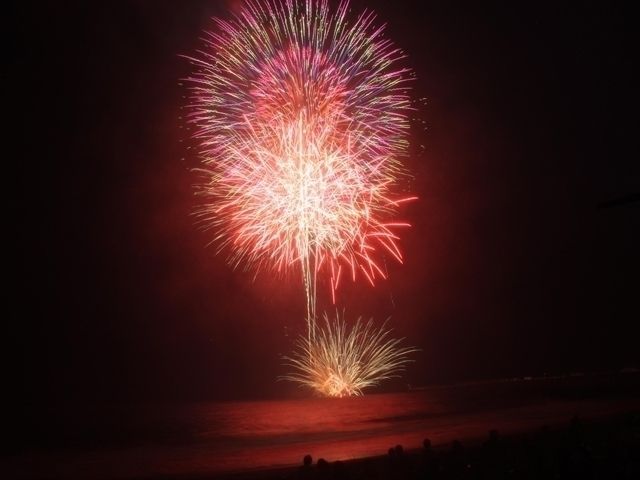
(585, 451)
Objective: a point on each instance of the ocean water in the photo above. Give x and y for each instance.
(147, 441)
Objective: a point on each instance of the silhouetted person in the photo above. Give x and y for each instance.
(430, 461)
(456, 448)
(323, 468)
(492, 445)
(456, 464)
(401, 465)
(306, 470)
(576, 430)
(392, 458)
(426, 443)
(492, 460)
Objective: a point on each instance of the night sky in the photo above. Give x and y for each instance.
(521, 261)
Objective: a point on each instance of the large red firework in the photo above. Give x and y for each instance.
(301, 115)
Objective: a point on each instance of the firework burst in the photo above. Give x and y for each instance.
(342, 361)
(301, 115)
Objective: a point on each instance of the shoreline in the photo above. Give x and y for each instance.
(264, 440)
(412, 455)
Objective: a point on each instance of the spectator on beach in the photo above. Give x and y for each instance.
(577, 451)
(391, 456)
(426, 443)
(492, 459)
(456, 464)
(324, 470)
(401, 464)
(430, 464)
(306, 470)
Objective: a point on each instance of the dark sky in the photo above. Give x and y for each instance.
(514, 265)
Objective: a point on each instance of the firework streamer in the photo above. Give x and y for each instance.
(343, 361)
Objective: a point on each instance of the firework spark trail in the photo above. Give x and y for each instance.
(343, 362)
(302, 120)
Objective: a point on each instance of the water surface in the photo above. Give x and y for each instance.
(212, 438)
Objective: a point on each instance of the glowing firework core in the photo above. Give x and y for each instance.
(342, 361)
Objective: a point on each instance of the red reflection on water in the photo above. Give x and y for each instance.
(313, 416)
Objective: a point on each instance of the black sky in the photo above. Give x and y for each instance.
(516, 264)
